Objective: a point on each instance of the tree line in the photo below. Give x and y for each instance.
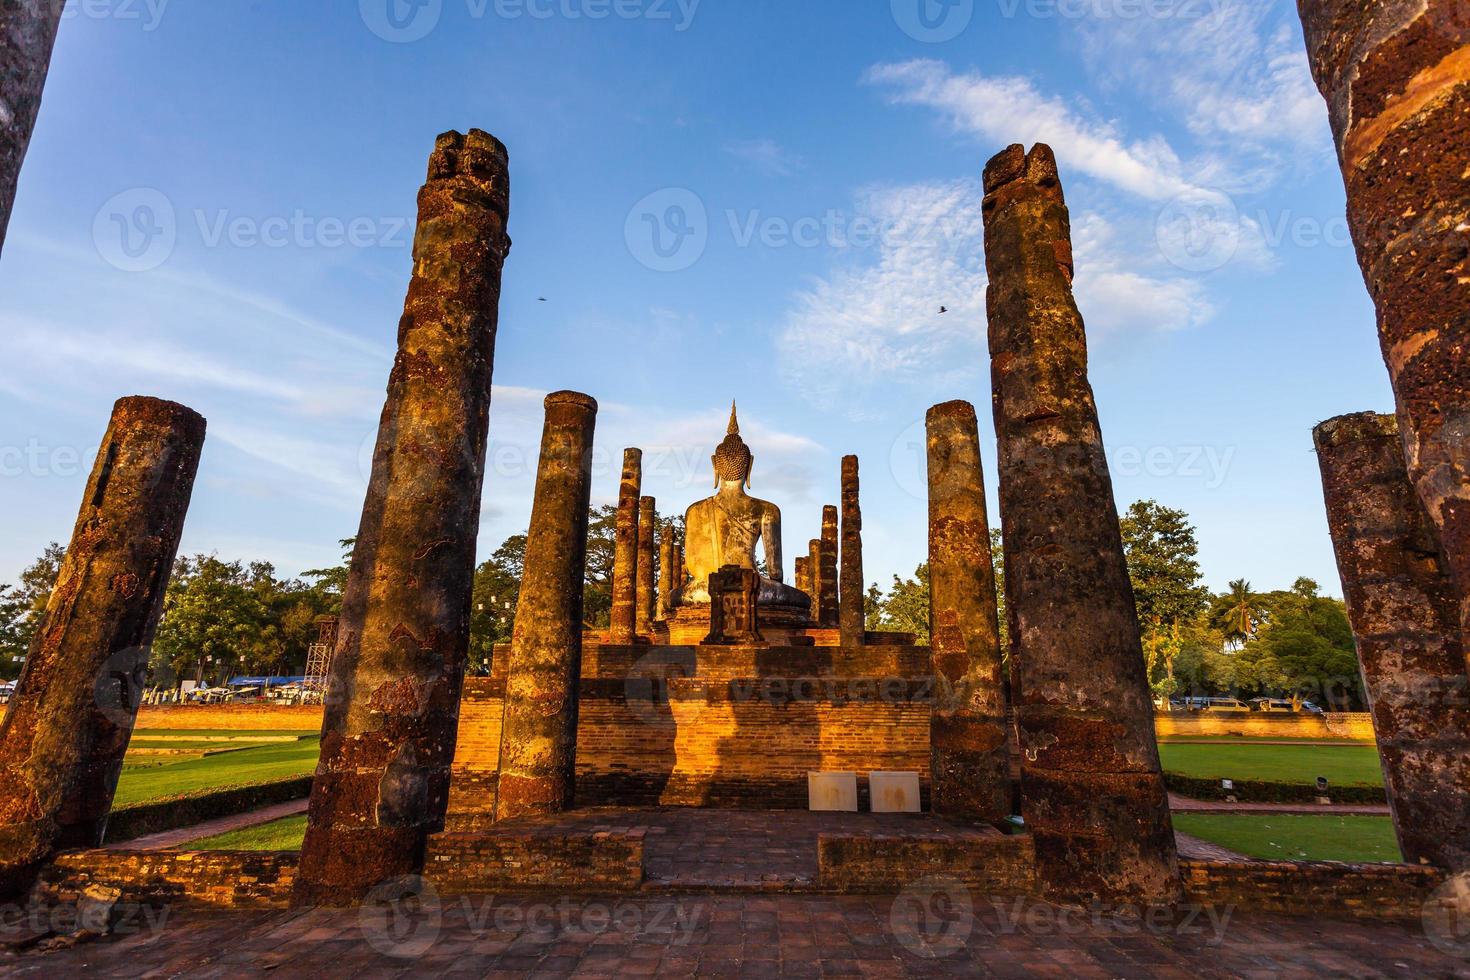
(228, 618)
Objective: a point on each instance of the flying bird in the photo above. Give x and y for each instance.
(943, 310)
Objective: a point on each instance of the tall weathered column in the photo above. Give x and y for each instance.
(389, 730)
(665, 573)
(803, 580)
(624, 617)
(814, 578)
(68, 724)
(678, 569)
(852, 618)
(27, 36)
(1396, 76)
(538, 739)
(970, 757)
(827, 567)
(647, 544)
(1092, 790)
(1404, 618)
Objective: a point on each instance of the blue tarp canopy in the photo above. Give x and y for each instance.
(264, 681)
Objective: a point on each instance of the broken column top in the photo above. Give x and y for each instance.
(479, 160)
(572, 398)
(1013, 165)
(961, 410)
(1355, 427)
(149, 410)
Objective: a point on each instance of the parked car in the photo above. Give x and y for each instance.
(1215, 704)
(1312, 709)
(1273, 704)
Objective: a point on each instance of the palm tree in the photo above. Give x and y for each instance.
(1237, 613)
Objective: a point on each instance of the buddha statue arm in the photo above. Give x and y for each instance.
(771, 534)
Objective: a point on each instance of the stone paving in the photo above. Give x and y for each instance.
(919, 934)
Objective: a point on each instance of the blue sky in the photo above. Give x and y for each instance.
(218, 206)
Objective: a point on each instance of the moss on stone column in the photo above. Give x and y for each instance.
(389, 729)
(67, 727)
(1092, 790)
(647, 546)
(538, 740)
(1404, 618)
(969, 752)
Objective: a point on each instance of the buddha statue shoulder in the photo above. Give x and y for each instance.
(726, 529)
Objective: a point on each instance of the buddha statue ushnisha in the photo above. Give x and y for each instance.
(725, 529)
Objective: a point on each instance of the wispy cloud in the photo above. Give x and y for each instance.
(766, 156)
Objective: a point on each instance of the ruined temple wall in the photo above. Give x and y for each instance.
(741, 728)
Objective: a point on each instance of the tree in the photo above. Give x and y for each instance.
(998, 562)
(1238, 614)
(497, 588)
(597, 583)
(22, 608)
(332, 582)
(905, 609)
(1163, 565)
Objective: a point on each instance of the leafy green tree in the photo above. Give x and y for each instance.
(1238, 614)
(998, 562)
(1163, 565)
(23, 606)
(905, 609)
(330, 583)
(597, 583)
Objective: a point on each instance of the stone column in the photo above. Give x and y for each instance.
(970, 757)
(647, 526)
(803, 575)
(814, 578)
(852, 590)
(1092, 790)
(624, 622)
(665, 573)
(827, 567)
(1396, 76)
(389, 730)
(1404, 618)
(68, 724)
(27, 35)
(678, 570)
(538, 739)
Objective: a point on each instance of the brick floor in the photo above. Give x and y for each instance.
(745, 935)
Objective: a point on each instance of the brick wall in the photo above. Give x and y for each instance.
(226, 879)
(984, 860)
(1265, 724)
(227, 717)
(472, 863)
(716, 726)
(1312, 887)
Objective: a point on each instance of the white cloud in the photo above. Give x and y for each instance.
(766, 155)
(1004, 110)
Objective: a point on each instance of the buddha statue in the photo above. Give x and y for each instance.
(725, 529)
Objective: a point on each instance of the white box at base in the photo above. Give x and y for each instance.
(832, 791)
(894, 792)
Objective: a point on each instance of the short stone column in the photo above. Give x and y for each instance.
(538, 738)
(1404, 618)
(624, 617)
(827, 567)
(970, 757)
(1396, 77)
(803, 574)
(68, 724)
(665, 573)
(678, 569)
(1092, 789)
(647, 547)
(392, 704)
(26, 43)
(852, 613)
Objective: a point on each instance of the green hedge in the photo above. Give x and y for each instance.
(173, 813)
(1261, 791)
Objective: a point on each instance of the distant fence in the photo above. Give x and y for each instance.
(1355, 726)
(232, 717)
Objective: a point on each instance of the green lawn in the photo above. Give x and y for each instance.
(1291, 837)
(281, 760)
(285, 834)
(1343, 765)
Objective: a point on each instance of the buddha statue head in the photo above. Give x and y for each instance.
(733, 458)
